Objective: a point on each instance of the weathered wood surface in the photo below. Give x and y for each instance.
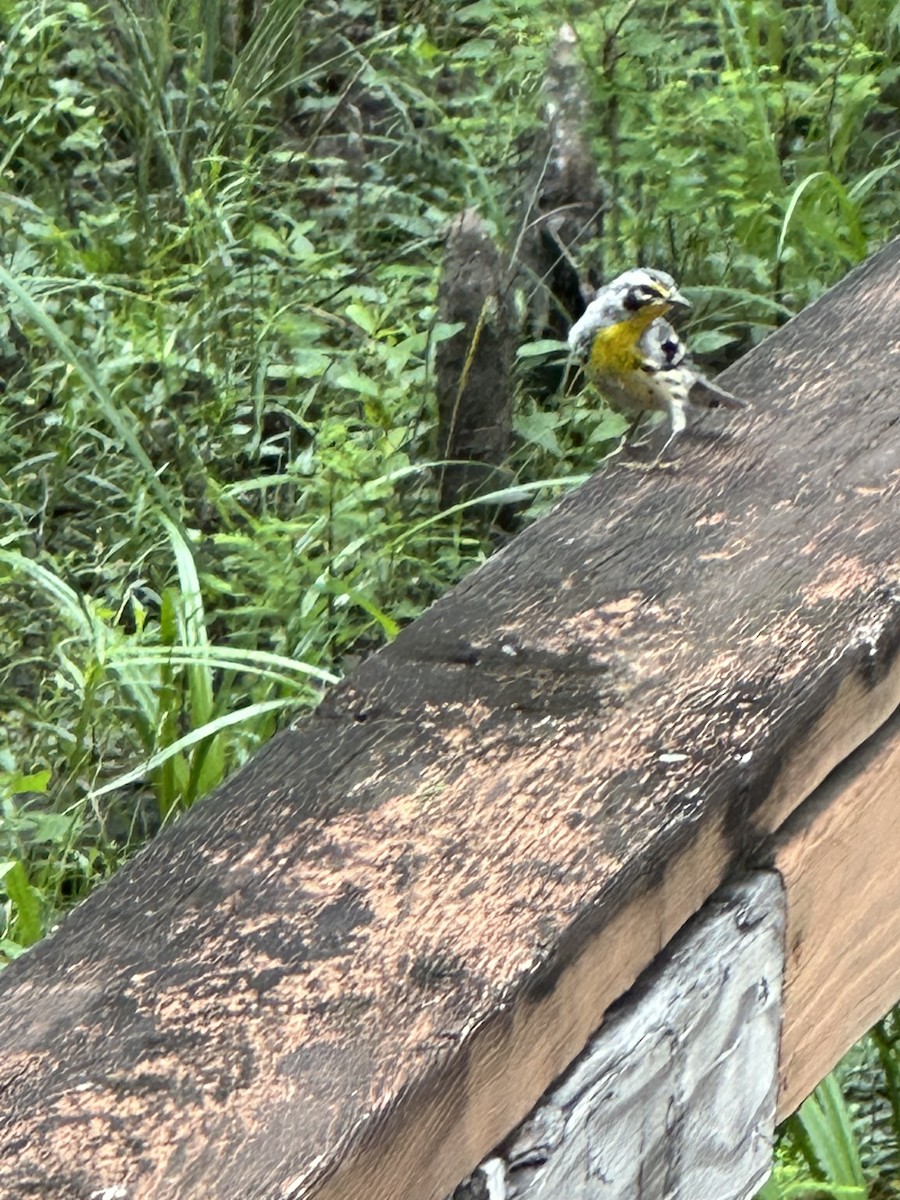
(358, 966)
(828, 920)
(838, 855)
(675, 1096)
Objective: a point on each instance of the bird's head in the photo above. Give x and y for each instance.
(631, 301)
(643, 290)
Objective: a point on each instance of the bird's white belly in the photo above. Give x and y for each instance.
(632, 392)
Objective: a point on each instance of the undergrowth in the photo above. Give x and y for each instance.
(220, 235)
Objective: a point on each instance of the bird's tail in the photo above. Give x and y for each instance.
(705, 394)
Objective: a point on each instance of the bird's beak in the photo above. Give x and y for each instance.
(675, 297)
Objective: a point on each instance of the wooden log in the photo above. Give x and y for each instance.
(675, 1096)
(838, 855)
(836, 888)
(358, 966)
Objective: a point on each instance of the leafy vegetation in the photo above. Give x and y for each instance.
(843, 1143)
(221, 227)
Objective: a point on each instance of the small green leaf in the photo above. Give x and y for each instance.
(265, 238)
(27, 900)
(445, 329)
(544, 347)
(36, 782)
(51, 827)
(363, 317)
(540, 429)
(352, 381)
(708, 340)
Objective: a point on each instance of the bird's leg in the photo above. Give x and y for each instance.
(632, 463)
(678, 418)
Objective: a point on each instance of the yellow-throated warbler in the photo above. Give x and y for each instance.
(635, 357)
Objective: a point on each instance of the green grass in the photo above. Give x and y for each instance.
(843, 1143)
(220, 252)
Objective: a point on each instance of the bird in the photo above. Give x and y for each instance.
(632, 355)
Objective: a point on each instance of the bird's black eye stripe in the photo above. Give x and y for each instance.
(639, 296)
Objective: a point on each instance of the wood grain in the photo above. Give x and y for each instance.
(356, 967)
(675, 1096)
(838, 856)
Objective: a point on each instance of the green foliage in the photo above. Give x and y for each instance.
(748, 145)
(843, 1143)
(37, 860)
(823, 1134)
(219, 250)
(216, 427)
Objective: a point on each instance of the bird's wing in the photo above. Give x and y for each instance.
(662, 347)
(706, 394)
(665, 351)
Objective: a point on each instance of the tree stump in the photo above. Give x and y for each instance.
(474, 366)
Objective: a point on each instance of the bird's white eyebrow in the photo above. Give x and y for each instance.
(653, 285)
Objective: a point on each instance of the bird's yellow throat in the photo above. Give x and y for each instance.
(616, 349)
